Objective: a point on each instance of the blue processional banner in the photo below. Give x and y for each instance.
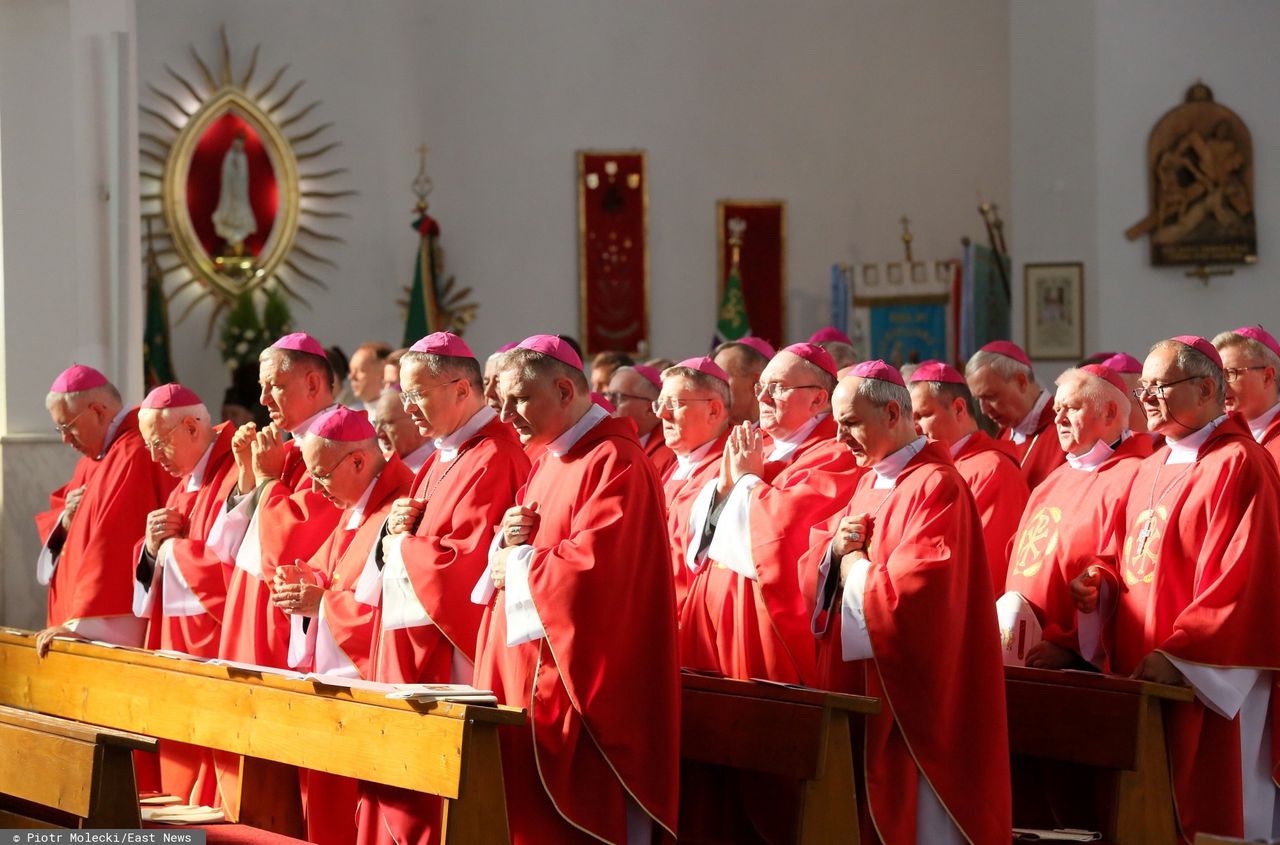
(908, 332)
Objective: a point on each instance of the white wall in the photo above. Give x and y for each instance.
(1088, 81)
(852, 112)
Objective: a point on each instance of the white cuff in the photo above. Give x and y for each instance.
(249, 553)
(177, 597)
(229, 529)
(731, 544)
(1089, 625)
(120, 630)
(855, 642)
(302, 643)
(47, 561)
(401, 607)
(482, 592)
(144, 596)
(523, 624)
(328, 658)
(1221, 690)
(697, 524)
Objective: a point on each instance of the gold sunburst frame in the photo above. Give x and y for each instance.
(292, 253)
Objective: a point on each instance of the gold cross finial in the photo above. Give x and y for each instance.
(906, 236)
(422, 183)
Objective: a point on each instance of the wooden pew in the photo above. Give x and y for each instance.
(58, 772)
(450, 750)
(1099, 738)
(767, 738)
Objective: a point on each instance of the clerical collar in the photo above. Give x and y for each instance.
(197, 475)
(685, 464)
(415, 459)
(1258, 425)
(1185, 450)
(1031, 421)
(959, 444)
(585, 423)
(451, 443)
(888, 470)
(304, 428)
(784, 446)
(1091, 460)
(357, 513)
(112, 430)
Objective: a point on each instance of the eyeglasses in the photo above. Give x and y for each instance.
(413, 397)
(65, 428)
(1142, 391)
(616, 397)
(773, 388)
(325, 477)
(671, 404)
(1233, 373)
(158, 444)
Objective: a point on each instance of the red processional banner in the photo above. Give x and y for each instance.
(762, 262)
(613, 250)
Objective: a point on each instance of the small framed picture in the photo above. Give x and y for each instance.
(1054, 298)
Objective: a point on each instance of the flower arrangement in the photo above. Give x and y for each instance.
(245, 333)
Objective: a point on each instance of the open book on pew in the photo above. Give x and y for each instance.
(460, 693)
(1062, 834)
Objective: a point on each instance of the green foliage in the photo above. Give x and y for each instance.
(245, 333)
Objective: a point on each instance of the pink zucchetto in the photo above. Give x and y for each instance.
(937, 371)
(1200, 345)
(1008, 349)
(759, 344)
(443, 343)
(878, 370)
(650, 374)
(506, 347)
(1123, 363)
(706, 366)
(300, 342)
(552, 346)
(815, 355)
(77, 377)
(830, 334)
(171, 396)
(1259, 334)
(1107, 374)
(345, 426)
(598, 399)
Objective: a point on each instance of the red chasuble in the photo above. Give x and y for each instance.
(659, 452)
(95, 571)
(936, 663)
(766, 634)
(1271, 439)
(1072, 521)
(1040, 454)
(293, 522)
(444, 557)
(990, 468)
(330, 801)
(186, 771)
(1200, 585)
(603, 687)
(680, 494)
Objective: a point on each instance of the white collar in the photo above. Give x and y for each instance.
(1094, 458)
(685, 464)
(1031, 421)
(1258, 425)
(452, 442)
(562, 444)
(1185, 450)
(304, 428)
(197, 475)
(784, 446)
(357, 513)
(112, 430)
(888, 470)
(959, 444)
(415, 459)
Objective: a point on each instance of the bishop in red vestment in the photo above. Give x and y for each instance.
(943, 409)
(1072, 521)
(1001, 379)
(1251, 365)
(435, 547)
(579, 625)
(743, 360)
(181, 575)
(752, 520)
(905, 614)
(631, 391)
(94, 520)
(1196, 586)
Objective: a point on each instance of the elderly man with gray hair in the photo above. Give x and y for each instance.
(1001, 379)
(1250, 367)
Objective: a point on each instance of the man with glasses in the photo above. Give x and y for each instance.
(398, 433)
(1250, 364)
(180, 576)
(579, 620)
(1196, 604)
(434, 547)
(632, 390)
(753, 519)
(1001, 379)
(95, 519)
(332, 598)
